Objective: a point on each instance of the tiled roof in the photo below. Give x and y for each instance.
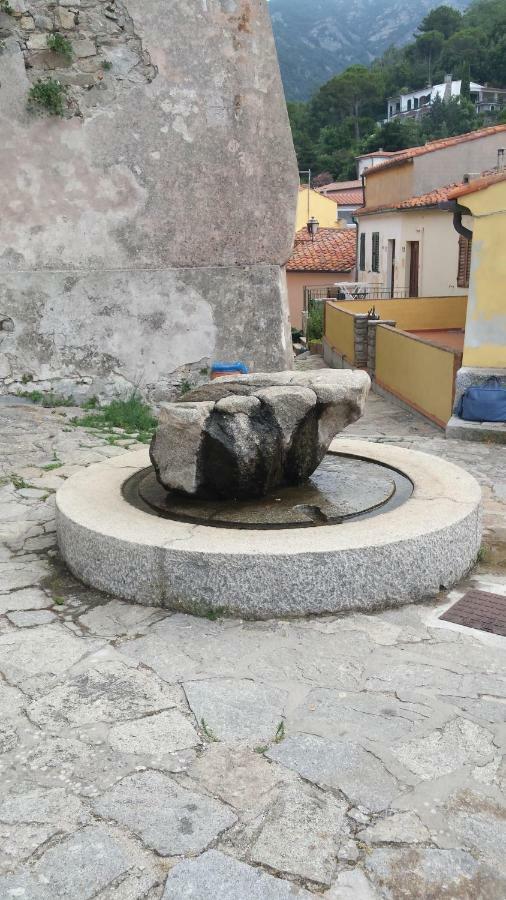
(333, 250)
(449, 192)
(348, 198)
(477, 184)
(430, 199)
(407, 155)
(340, 186)
(376, 153)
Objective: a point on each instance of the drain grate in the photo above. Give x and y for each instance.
(481, 610)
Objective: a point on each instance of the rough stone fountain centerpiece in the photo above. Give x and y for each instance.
(243, 436)
(251, 507)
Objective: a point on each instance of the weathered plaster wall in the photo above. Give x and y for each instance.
(485, 340)
(439, 250)
(144, 233)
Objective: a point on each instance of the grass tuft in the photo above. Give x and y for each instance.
(209, 733)
(59, 44)
(48, 95)
(47, 399)
(132, 415)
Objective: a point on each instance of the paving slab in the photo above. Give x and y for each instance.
(341, 765)
(106, 692)
(237, 710)
(301, 834)
(167, 817)
(214, 876)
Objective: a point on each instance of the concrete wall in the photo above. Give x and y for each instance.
(432, 170)
(418, 372)
(485, 339)
(439, 250)
(322, 208)
(297, 281)
(390, 185)
(451, 164)
(144, 232)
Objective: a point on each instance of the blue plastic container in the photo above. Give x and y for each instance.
(229, 368)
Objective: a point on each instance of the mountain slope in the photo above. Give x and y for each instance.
(319, 38)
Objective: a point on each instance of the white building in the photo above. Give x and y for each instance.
(414, 103)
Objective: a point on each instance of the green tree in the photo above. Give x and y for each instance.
(444, 19)
(354, 93)
(450, 117)
(471, 45)
(465, 88)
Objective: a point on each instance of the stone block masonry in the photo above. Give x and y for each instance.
(144, 232)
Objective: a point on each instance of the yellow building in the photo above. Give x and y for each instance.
(485, 339)
(311, 204)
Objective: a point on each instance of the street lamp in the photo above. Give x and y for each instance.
(312, 227)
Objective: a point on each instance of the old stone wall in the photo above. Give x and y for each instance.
(143, 232)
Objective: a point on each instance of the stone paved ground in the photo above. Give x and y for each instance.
(155, 755)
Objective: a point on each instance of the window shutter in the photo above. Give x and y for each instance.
(362, 253)
(464, 269)
(375, 251)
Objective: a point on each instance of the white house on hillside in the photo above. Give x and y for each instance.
(414, 103)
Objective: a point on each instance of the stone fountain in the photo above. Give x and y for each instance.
(248, 504)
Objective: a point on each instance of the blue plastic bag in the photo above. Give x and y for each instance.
(484, 403)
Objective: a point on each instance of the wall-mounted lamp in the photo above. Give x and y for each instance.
(312, 227)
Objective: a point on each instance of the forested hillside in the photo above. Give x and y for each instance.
(340, 121)
(317, 39)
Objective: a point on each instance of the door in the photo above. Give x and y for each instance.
(414, 262)
(391, 268)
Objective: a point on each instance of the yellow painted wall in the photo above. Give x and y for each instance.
(322, 208)
(419, 373)
(340, 331)
(415, 314)
(297, 281)
(485, 340)
(389, 186)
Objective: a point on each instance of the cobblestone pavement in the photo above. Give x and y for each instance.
(153, 755)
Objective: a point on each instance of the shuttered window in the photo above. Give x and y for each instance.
(375, 251)
(362, 253)
(465, 247)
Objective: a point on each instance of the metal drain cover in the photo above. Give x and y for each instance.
(480, 610)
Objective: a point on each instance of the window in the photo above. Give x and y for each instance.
(362, 253)
(464, 269)
(416, 102)
(409, 104)
(375, 251)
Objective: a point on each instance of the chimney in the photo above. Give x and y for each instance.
(448, 88)
(500, 159)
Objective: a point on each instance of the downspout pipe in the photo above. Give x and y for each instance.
(458, 211)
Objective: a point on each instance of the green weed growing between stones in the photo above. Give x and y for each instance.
(6, 8)
(133, 415)
(280, 733)
(209, 733)
(47, 95)
(51, 466)
(59, 44)
(46, 399)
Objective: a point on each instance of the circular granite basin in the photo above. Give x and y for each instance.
(412, 530)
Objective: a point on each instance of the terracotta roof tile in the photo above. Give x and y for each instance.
(348, 198)
(340, 186)
(333, 250)
(408, 155)
(449, 192)
(430, 199)
(477, 184)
